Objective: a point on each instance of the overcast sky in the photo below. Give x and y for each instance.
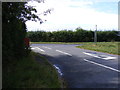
(70, 14)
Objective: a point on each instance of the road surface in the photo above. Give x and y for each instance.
(82, 68)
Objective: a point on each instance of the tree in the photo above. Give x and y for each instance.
(14, 16)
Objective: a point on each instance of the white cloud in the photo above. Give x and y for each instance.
(69, 14)
(99, 0)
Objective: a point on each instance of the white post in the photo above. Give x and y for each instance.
(95, 35)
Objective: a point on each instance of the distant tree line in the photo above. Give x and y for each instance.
(79, 35)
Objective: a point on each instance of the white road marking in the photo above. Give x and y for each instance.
(102, 65)
(46, 47)
(32, 48)
(58, 69)
(38, 49)
(108, 57)
(63, 52)
(91, 55)
(105, 56)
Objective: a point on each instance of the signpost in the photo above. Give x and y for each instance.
(95, 35)
(27, 43)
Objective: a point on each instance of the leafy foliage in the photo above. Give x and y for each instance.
(79, 35)
(14, 16)
(107, 36)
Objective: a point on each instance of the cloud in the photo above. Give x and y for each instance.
(97, 0)
(69, 14)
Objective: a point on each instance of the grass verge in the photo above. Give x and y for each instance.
(106, 47)
(29, 73)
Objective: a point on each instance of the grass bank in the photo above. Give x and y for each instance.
(106, 47)
(33, 71)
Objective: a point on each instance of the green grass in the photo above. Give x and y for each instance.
(106, 47)
(29, 73)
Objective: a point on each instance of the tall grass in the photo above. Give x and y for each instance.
(29, 73)
(107, 47)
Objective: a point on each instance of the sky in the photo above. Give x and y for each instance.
(71, 14)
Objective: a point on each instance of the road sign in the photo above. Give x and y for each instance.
(27, 42)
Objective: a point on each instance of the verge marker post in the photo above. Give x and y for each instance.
(95, 35)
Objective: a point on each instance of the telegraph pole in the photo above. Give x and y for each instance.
(95, 35)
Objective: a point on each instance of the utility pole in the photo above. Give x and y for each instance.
(95, 35)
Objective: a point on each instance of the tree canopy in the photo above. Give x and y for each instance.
(14, 16)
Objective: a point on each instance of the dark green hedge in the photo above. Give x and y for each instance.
(79, 35)
(13, 32)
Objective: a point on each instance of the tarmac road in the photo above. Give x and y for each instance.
(82, 68)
